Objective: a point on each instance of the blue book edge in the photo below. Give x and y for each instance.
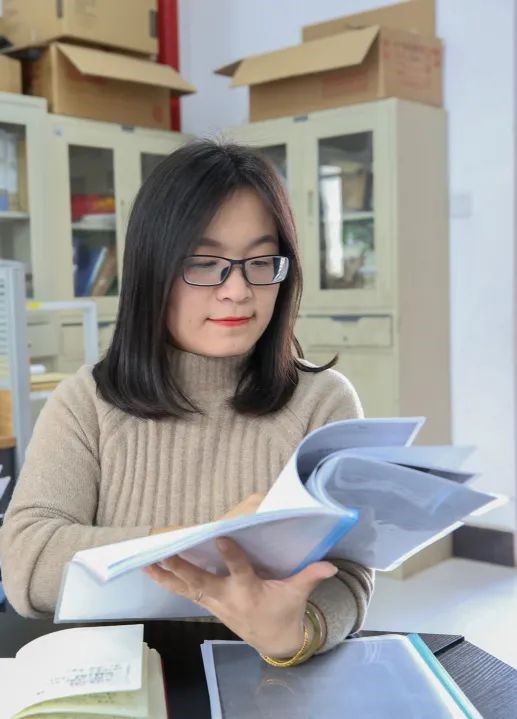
(444, 677)
(343, 526)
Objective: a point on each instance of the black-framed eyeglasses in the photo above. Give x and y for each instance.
(211, 270)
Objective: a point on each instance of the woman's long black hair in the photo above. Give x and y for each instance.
(171, 211)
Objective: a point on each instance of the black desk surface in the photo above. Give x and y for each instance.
(490, 684)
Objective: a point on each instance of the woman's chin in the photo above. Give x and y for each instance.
(227, 348)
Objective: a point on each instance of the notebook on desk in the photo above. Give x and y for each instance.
(97, 672)
(382, 677)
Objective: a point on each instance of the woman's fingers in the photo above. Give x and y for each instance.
(193, 576)
(186, 579)
(167, 580)
(236, 560)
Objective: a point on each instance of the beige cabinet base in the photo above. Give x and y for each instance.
(372, 372)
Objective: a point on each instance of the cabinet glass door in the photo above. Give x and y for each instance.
(346, 217)
(346, 228)
(15, 235)
(94, 221)
(281, 142)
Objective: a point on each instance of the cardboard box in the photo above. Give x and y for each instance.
(355, 66)
(98, 85)
(416, 16)
(10, 75)
(122, 24)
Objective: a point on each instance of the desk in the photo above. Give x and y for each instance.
(490, 684)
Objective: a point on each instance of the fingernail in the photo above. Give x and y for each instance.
(222, 544)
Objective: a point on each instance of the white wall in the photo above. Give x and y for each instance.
(480, 97)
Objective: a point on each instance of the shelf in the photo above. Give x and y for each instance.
(355, 216)
(94, 226)
(13, 216)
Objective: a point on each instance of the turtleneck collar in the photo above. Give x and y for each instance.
(206, 379)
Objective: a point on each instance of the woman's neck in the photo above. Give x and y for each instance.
(202, 378)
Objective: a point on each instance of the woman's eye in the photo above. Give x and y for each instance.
(203, 264)
(261, 263)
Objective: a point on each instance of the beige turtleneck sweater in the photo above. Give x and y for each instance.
(95, 475)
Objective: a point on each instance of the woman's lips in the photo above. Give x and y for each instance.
(230, 321)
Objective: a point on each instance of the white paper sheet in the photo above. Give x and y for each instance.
(428, 456)
(289, 491)
(276, 548)
(400, 509)
(348, 434)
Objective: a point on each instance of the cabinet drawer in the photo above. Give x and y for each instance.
(346, 330)
(373, 374)
(43, 339)
(72, 343)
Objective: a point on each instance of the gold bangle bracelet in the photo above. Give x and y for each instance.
(293, 660)
(307, 649)
(322, 624)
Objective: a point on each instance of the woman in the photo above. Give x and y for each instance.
(197, 406)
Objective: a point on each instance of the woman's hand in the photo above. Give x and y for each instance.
(266, 613)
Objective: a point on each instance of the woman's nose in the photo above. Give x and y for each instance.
(235, 286)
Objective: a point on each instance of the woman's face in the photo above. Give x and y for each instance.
(242, 228)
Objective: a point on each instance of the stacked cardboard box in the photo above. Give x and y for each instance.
(93, 59)
(10, 75)
(391, 52)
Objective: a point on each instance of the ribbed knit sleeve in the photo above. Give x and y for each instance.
(52, 513)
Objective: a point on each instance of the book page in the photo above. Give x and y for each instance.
(157, 700)
(132, 704)
(447, 458)
(85, 660)
(352, 433)
(290, 489)
(400, 509)
(132, 553)
(277, 543)
(111, 561)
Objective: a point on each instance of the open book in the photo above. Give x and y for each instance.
(354, 489)
(89, 671)
(407, 678)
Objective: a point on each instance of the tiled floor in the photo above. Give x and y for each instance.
(476, 599)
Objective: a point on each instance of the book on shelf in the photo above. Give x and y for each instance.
(355, 489)
(106, 275)
(87, 263)
(103, 672)
(408, 681)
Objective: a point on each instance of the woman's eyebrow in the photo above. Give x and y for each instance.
(262, 240)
